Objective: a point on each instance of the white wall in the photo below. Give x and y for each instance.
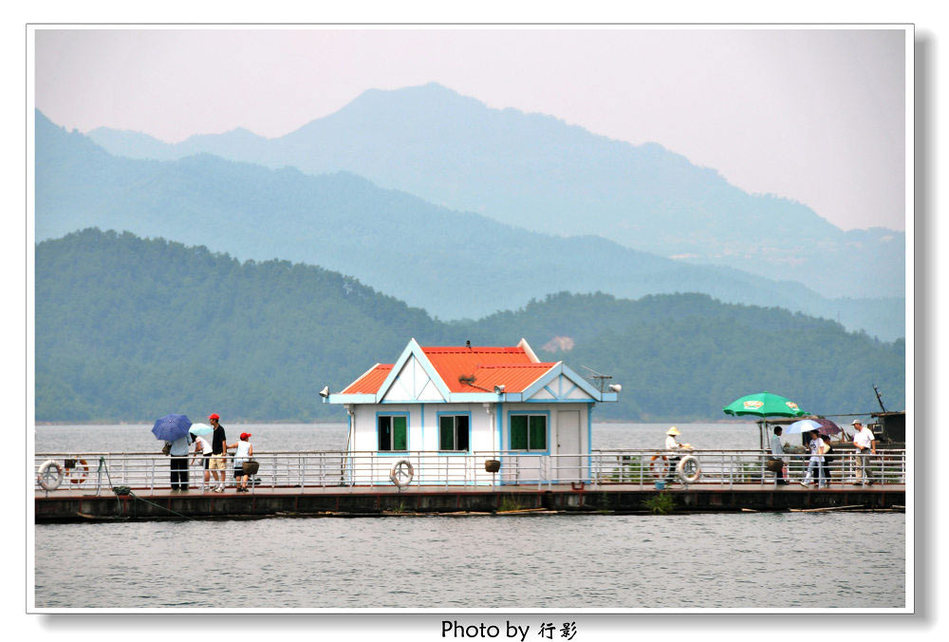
(438, 467)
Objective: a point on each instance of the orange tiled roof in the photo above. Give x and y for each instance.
(514, 378)
(510, 366)
(370, 381)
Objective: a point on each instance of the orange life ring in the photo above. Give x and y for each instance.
(78, 472)
(658, 466)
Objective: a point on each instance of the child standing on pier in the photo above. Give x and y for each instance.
(243, 453)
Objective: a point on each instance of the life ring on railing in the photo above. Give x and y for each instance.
(47, 478)
(402, 472)
(78, 472)
(689, 469)
(658, 466)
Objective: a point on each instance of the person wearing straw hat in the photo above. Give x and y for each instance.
(673, 446)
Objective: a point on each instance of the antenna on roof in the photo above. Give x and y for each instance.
(600, 380)
(879, 398)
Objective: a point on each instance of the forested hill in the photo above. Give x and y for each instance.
(128, 329)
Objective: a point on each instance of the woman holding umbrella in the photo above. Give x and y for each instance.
(817, 448)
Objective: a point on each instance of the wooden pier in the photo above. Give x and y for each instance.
(123, 504)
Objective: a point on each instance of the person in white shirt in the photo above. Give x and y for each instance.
(817, 448)
(243, 453)
(777, 450)
(202, 447)
(673, 448)
(865, 443)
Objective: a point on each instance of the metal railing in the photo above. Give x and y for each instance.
(98, 472)
(731, 467)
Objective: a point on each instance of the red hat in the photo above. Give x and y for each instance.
(245, 435)
(214, 416)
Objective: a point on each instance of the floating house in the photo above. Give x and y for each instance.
(470, 415)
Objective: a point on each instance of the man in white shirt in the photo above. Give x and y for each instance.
(673, 447)
(865, 443)
(777, 450)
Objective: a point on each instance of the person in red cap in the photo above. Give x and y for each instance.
(243, 453)
(218, 453)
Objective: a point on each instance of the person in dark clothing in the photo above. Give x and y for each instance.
(218, 463)
(828, 460)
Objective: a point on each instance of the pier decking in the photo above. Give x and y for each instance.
(135, 486)
(76, 506)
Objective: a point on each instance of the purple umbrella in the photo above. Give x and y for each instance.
(827, 427)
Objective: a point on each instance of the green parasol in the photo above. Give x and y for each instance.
(764, 404)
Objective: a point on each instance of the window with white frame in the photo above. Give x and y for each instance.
(528, 432)
(453, 433)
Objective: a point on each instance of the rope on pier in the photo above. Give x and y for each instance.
(127, 491)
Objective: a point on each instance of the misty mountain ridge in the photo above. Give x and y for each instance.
(450, 263)
(127, 328)
(537, 172)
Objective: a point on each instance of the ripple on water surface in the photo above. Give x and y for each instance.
(723, 560)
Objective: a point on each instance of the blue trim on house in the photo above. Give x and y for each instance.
(590, 439)
(438, 424)
(499, 425)
(552, 393)
(499, 412)
(342, 399)
(408, 432)
(546, 414)
(475, 397)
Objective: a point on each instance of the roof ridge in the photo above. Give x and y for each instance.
(533, 364)
(474, 348)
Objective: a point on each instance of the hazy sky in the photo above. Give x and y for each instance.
(816, 115)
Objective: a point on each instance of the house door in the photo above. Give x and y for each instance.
(568, 443)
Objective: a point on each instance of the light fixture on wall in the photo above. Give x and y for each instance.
(499, 389)
(615, 387)
(325, 392)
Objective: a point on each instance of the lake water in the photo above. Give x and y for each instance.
(332, 436)
(750, 560)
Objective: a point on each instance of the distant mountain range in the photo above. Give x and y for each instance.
(129, 329)
(536, 172)
(452, 264)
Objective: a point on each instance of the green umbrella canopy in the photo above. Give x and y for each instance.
(764, 404)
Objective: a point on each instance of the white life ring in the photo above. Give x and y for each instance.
(691, 463)
(46, 478)
(402, 472)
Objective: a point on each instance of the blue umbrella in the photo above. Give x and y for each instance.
(171, 427)
(201, 429)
